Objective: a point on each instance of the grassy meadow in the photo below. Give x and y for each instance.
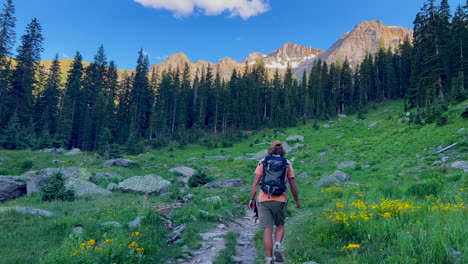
(401, 206)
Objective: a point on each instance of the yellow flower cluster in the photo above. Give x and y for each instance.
(438, 205)
(351, 246)
(361, 211)
(332, 189)
(133, 244)
(135, 234)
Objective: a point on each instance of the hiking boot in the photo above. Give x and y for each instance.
(270, 261)
(278, 254)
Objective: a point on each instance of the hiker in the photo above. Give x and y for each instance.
(272, 172)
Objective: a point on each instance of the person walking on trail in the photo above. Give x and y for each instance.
(271, 174)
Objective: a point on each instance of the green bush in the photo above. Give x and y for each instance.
(27, 164)
(425, 188)
(56, 190)
(198, 179)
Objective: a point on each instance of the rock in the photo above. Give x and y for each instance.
(297, 146)
(112, 187)
(67, 173)
(58, 161)
(295, 138)
(210, 236)
(444, 159)
(82, 187)
(52, 150)
(113, 224)
(327, 181)
(105, 175)
(342, 116)
(326, 126)
(371, 125)
(149, 184)
(73, 152)
(34, 185)
(286, 147)
(136, 222)
(226, 183)
(216, 157)
(303, 175)
(235, 198)
(347, 164)
(78, 230)
(176, 233)
(184, 171)
(459, 165)
(322, 154)
(26, 210)
(12, 187)
(118, 162)
(259, 155)
(212, 199)
(341, 176)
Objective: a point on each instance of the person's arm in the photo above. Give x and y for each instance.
(294, 191)
(254, 191)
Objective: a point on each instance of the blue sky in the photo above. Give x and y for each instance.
(203, 29)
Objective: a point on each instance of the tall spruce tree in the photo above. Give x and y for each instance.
(24, 75)
(70, 112)
(7, 40)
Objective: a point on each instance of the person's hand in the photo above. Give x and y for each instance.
(298, 204)
(252, 204)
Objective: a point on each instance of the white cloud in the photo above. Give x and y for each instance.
(64, 55)
(146, 53)
(181, 8)
(162, 57)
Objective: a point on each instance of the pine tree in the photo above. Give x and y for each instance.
(24, 79)
(47, 106)
(70, 113)
(7, 40)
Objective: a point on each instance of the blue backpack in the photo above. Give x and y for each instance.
(274, 174)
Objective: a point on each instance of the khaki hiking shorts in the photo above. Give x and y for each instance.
(271, 212)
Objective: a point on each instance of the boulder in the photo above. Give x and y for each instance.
(118, 162)
(212, 199)
(136, 222)
(342, 116)
(286, 147)
(371, 125)
(67, 173)
(34, 184)
(184, 171)
(226, 183)
(105, 175)
(11, 187)
(52, 150)
(26, 210)
(149, 184)
(73, 152)
(341, 176)
(326, 126)
(112, 186)
(347, 164)
(303, 175)
(111, 224)
(297, 146)
(82, 187)
(327, 181)
(460, 165)
(295, 138)
(259, 155)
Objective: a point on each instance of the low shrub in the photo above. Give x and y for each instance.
(425, 188)
(56, 190)
(198, 179)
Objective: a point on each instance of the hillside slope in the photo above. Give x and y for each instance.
(402, 203)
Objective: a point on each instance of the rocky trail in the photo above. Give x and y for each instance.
(246, 253)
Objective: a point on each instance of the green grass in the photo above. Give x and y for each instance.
(394, 162)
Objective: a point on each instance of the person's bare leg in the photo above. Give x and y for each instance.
(279, 233)
(268, 241)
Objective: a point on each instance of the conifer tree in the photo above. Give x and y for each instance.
(24, 75)
(71, 106)
(7, 40)
(47, 106)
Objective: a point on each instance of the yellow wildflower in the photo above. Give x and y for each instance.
(351, 246)
(135, 234)
(108, 240)
(140, 250)
(75, 253)
(133, 244)
(91, 242)
(82, 245)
